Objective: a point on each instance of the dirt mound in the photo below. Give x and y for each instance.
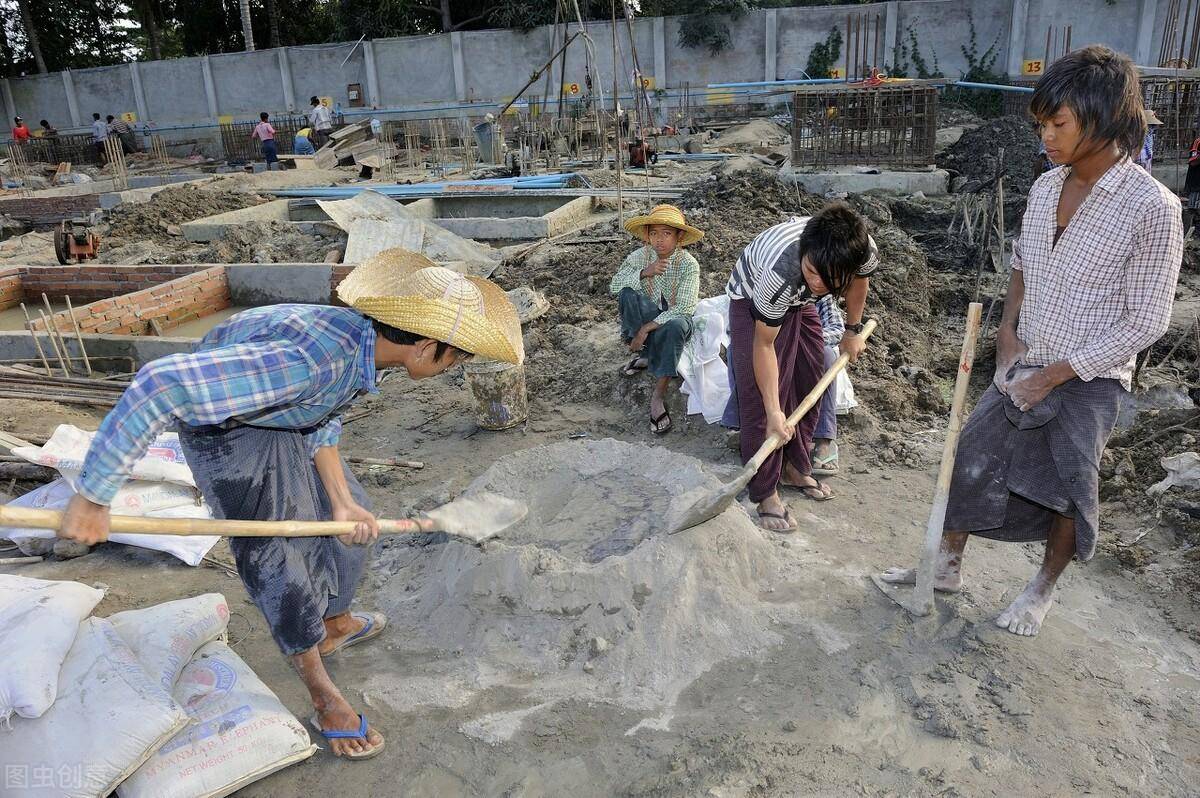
(588, 593)
(269, 242)
(973, 157)
(754, 133)
(173, 206)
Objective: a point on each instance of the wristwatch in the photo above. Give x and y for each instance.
(855, 328)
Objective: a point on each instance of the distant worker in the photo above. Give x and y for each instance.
(121, 128)
(45, 131)
(303, 143)
(1145, 158)
(321, 121)
(20, 133)
(1191, 188)
(265, 133)
(99, 136)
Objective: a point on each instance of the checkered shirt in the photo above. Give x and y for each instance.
(283, 366)
(676, 290)
(1105, 291)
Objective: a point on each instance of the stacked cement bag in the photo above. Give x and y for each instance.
(148, 702)
(162, 487)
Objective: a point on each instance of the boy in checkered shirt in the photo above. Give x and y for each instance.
(1093, 283)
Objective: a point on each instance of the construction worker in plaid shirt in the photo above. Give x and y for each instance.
(657, 288)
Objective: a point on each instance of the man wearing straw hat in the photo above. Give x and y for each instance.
(657, 288)
(258, 407)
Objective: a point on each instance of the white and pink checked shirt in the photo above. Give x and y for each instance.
(1105, 291)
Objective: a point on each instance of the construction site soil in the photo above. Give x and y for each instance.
(587, 653)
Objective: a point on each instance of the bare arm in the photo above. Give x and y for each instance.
(856, 303)
(328, 462)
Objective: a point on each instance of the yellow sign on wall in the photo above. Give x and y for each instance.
(326, 101)
(1035, 67)
(129, 117)
(837, 73)
(572, 89)
(225, 119)
(648, 82)
(719, 97)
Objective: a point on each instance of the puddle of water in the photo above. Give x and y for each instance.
(14, 319)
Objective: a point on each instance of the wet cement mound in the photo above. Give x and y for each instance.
(587, 598)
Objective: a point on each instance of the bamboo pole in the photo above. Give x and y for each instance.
(79, 336)
(37, 344)
(62, 344)
(54, 343)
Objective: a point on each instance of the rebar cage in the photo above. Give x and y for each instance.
(888, 125)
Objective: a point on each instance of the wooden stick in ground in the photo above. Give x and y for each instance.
(37, 344)
(922, 596)
(54, 343)
(54, 331)
(79, 337)
(386, 461)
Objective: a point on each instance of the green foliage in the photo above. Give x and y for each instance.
(706, 22)
(980, 69)
(825, 55)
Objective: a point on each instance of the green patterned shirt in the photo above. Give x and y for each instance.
(676, 290)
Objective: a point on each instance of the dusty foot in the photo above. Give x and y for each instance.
(773, 515)
(657, 405)
(947, 574)
(337, 629)
(812, 487)
(1025, 615)
(339, 716)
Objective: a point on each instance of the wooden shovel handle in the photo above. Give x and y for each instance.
(52, 519)
(773, 441)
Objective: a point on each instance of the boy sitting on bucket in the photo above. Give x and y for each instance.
(657, 288)
(258, 409)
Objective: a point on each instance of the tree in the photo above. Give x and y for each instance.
(31, 35)
(272, 23)
(247, 25)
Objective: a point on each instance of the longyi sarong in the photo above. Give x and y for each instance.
(260, 474)
(1015, 471)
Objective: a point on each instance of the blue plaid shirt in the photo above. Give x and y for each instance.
(283, 366)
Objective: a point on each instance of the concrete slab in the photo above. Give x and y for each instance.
(859, 180)
(142, 348)
(257, 284)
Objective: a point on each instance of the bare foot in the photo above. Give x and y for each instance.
(947, 574)
(338, 629)
(340, 716)
(657, 405)
(812, 487)
(1025, 615)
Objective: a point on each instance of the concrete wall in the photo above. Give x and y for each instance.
(490, 66)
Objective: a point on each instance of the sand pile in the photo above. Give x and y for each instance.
(587, 598)
(973, 157)
(757, 132)
(173, 206)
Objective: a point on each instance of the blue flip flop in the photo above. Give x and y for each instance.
(359, 734)
(376, 622)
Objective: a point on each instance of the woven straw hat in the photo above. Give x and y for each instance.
(408, 291)
(668, 215)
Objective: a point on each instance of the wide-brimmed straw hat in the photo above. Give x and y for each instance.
(408, 291)
(1151, 117)
(668, 215)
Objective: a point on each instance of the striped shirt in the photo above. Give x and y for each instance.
(768, 272)
(676, 291)
(283, 366)
(1104, 291)
(833, 324)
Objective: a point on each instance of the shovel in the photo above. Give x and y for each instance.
(919, 601)
(474, 518)
(710, 504)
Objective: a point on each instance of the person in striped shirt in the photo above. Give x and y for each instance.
(657, 288)
(777, 345)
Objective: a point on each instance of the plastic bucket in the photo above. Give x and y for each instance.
(499, 391)
(485, 137)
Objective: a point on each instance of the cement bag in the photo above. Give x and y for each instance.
(165, 637)
(189, 548)
(109, 717)
(239, 734)
(68, 446)
(38, 622)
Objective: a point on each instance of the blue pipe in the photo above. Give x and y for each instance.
(769, 83)
(966, 84)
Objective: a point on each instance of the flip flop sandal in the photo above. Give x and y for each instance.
(376, 622)
(655, 423)
(820, 488)
(786, 517)
(826, 466)
(631, 368)
(359, 734)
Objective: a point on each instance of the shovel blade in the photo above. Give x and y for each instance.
(904, 595)
(479, 517)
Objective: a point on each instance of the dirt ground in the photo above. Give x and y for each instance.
(847, 694)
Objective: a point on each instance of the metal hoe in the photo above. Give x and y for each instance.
(919, 601)
(474, 518)
(711, 504)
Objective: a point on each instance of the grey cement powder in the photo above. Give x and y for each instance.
(586, 598)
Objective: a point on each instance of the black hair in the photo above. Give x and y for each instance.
(1102, 89)
(95, 116)
(109, 118)
(264, 116)
(406, 338)
(313, 100)
(44, 123)
(836, 241)
(17, 119)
